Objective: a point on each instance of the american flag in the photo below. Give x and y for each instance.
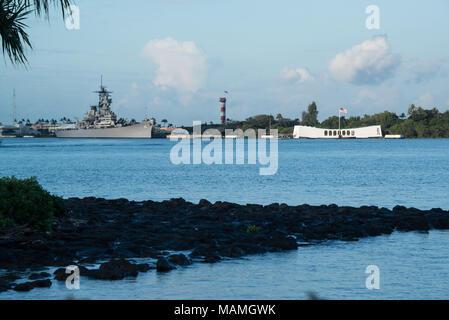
(343, 110)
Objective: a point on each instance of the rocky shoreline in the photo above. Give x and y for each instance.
(118, 231)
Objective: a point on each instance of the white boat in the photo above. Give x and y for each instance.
(265, 136)
(353, 133)
(394, 136)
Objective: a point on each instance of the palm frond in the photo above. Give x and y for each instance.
(13, 14)
(12, 29)
(42, 7)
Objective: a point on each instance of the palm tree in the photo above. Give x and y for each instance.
(13, 14)
(164, 121)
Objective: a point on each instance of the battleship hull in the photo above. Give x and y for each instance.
(138, 131)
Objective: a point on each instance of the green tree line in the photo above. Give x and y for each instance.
(418, 123)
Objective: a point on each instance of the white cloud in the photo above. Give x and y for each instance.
(371, 99)
(370, 62)
(425, 100)
(298, 75)
(425, 70)
(181, 65)
(365, 95)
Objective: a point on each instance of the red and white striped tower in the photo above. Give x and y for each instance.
(223, 110)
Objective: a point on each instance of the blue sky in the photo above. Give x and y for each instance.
(173, 58)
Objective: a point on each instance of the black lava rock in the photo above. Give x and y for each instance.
(179, 259)
(163, 265)
(42, 283)
(115, 230)
(40, 275)
(4, 285)
(23, 287)
(117, 269)
(27, 286)
(211, 259)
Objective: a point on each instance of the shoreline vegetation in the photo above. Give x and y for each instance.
(417, 123)
(25, 202)
(95, 230)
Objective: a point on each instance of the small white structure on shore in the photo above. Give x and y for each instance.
(354, 133)
(394, 136)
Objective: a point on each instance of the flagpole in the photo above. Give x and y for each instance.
(340, 111)
(339, 120)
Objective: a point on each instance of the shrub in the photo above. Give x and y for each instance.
(252, 229)
(25, 202)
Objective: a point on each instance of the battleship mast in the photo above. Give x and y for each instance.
(14, 107)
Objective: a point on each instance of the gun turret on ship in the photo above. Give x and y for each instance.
(101, 122)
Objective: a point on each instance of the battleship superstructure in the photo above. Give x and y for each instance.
(101, 122)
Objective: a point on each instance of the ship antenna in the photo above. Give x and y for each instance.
(14, 107)
(101, 81)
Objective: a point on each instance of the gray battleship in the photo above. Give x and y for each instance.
(101, 122)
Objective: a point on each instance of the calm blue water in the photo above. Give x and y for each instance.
(348, 172)
(411, 265)
(369, 172)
